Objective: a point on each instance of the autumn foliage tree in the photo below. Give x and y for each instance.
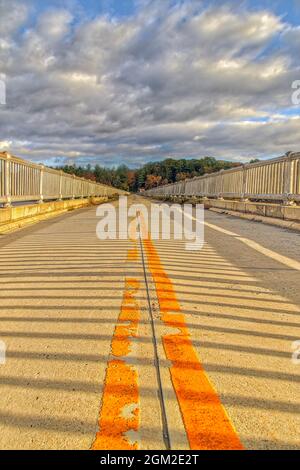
(152, 181)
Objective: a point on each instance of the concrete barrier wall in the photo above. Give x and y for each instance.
(15, 217)
(277, 211)
(259, 211)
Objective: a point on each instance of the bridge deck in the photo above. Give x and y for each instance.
(81, 369)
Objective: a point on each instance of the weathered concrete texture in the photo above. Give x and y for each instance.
(61, 297)
(63, 294)
(12, 218)
(242, 310)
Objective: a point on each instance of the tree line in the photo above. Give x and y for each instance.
(150, 175)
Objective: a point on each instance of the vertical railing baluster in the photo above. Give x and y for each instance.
(244, 183)
(288, 179)
(7, 180)
(42, 169)
(73, 186)
(60, 185)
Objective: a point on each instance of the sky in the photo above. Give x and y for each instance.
(114, 82)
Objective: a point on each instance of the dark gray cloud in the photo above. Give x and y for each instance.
(181, 81)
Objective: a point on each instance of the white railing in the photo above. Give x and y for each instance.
(277, 180)
(22, 181)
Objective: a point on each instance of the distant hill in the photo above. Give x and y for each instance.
(170, 171)
(151, 174)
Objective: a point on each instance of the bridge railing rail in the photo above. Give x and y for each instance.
(275, 180)
(22, 181)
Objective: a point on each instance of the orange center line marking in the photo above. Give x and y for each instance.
(207, 424)
(133, 254)
(120, 403)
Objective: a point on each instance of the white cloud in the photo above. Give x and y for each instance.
(54, 25)
(12, 14)
(5, 144)
(168, 81)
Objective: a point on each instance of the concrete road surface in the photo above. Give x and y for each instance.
(140, 344)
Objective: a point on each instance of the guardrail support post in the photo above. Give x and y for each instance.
(220, 194)
(244, 198)
(7, 188)
(60, 185)
(73, 187)
(82, 191)
(288, 174)
(42, 168)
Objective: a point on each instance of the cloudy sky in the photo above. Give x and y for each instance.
(129, 81)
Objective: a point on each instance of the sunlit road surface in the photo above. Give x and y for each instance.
(144, 345)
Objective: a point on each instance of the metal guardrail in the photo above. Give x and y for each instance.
(277, 180)
(22, 181)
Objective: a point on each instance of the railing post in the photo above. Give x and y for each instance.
(73, 186)
(220, 193)
(42, 169)
(7, 189)
(60, 185)
(245, 173)
(288, 179)
(182, 195)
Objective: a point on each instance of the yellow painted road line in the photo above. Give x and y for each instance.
(207, 424)
(120, 414)
(133, 254)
